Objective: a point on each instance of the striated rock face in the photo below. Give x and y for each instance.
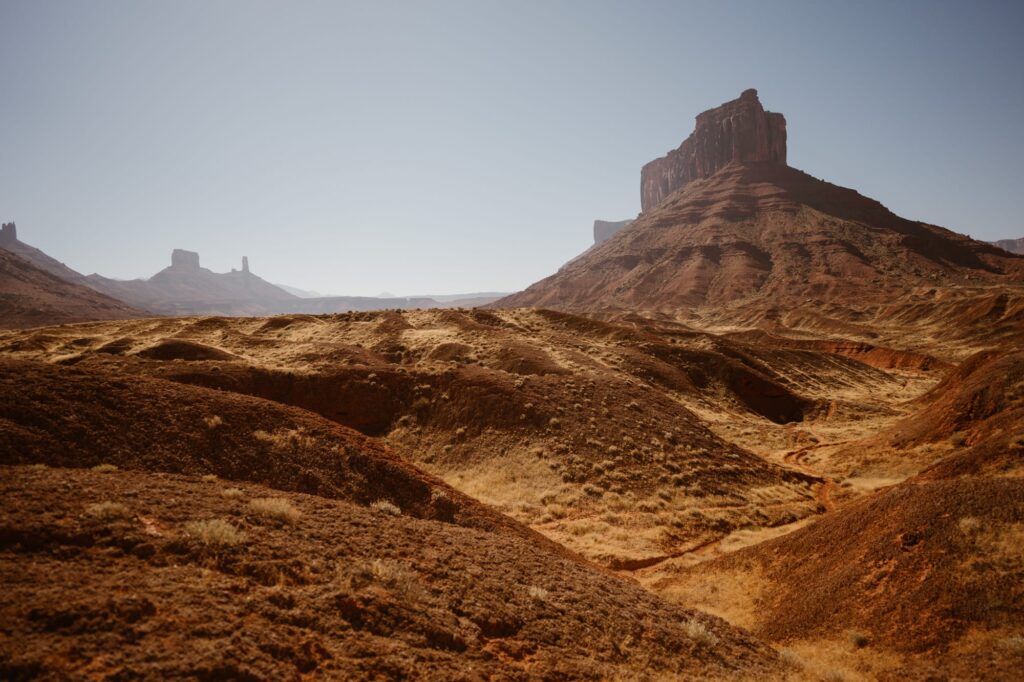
(740, 130)
(180, 258)
(606, 228)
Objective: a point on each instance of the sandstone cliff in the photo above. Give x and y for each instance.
(740, 130)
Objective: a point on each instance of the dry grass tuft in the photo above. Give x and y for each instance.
(700, 634)
(209, 478)
(276, 508)
(393, 575)
(537, 593)
(104, 468)
(108, 511)
(213, 421)
(215, 532)
(232, 493)
(386, 507)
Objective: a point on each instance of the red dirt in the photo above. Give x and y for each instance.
(902, 566)
(345, 592)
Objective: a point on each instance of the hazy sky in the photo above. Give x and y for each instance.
(436, 147)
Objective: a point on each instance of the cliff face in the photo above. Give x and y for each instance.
(740, 130)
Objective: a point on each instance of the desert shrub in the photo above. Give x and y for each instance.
(213, 421)
(215, 532)
(287, 439)
(1014, 643)
(232, 492)
(700, 634)
(108, 511)
(209, 478)
(277, 508)
(537, 593)
(386, 507)
(393, 575)
(437, 495)
(791, 658)
(105, 468)
(969, 524)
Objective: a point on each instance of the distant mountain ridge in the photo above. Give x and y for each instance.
(1011, 245)
(187, 288)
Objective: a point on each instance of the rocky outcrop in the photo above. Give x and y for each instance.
(180, 258)
(740, 130)
(8, 235)
(606, 228)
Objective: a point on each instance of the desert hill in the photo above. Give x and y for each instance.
(156, 529)
(627, 441)
(726, 223)
(33, 297)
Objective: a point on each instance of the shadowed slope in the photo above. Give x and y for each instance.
(32, 297)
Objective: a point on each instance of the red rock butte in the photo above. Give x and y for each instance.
(740, 130)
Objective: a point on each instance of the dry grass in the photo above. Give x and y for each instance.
(393, 575)
(108, 511)
(232, 493)
(287, 439)
(277, 508)
(700, 634)
(386, 507)
(537, 593)
(104, 468)
(213, 421)
(209, 478)
(215, 532)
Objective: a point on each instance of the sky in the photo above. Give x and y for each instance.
(432, 147)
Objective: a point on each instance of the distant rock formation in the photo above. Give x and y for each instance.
(189, 260)
(740, 130)
(1011, 245)
(606, 228)
(8, 234)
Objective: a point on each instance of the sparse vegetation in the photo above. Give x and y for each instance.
(386, 507)
(215, 532)
(537, 593)
(700, 634)
(104, 468)
(390, 574)
(213, 421)
(209, 478)
(277, 508)
(108, 511)
(232, 493)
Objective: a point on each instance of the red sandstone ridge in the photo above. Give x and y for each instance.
(740, 130)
